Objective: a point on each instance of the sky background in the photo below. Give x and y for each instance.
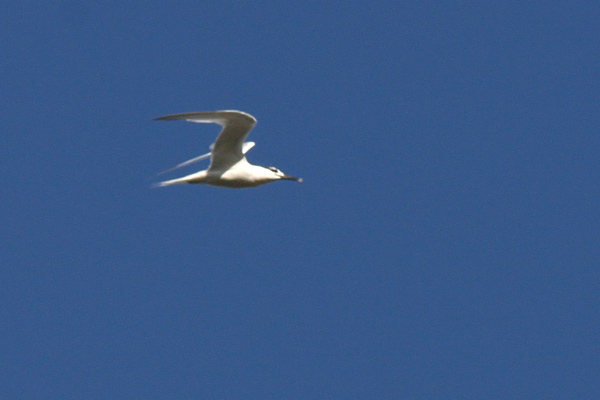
(444, 244)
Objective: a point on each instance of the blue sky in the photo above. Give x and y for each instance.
(444, 242)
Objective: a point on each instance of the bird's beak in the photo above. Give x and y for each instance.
(291, 178)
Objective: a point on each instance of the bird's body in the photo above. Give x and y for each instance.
(228, 164)
(241, 175)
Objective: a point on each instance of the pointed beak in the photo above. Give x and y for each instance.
(291, 178)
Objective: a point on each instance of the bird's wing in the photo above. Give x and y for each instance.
(245, 148)
(228, 148)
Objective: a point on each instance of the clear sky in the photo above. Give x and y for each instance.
(443, 245)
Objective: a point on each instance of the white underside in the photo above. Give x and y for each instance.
(241, 175)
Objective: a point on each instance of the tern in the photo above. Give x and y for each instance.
(228, 165)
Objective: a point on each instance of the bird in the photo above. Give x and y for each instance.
(228, 164)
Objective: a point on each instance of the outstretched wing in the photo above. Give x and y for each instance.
(228, 148)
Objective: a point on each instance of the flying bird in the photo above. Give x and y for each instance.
(228, 164)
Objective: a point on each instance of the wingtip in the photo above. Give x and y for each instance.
(171, 117)
(208, 116)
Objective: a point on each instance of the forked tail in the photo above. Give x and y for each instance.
(169, 183)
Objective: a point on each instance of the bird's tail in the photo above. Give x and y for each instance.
(169, 183)
(197, 177)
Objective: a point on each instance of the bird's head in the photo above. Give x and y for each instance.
(277, 174)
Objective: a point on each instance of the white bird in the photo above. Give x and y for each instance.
(228, 164)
